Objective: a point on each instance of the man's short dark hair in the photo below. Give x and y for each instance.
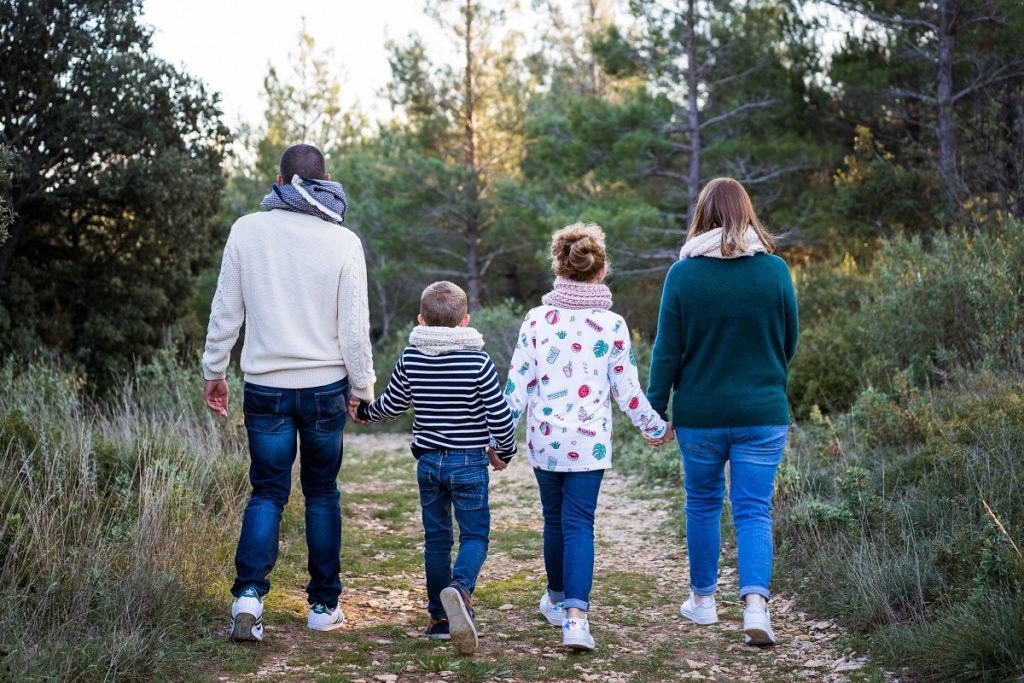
(443, 304)
(304, 160)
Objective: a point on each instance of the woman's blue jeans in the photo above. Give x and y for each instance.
(569, 500)
(273, 419)
(754, 454)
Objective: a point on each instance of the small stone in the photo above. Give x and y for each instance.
(849, 666)
(822, 625)
(506, 607)
(814, 664)
(695, 665)
(411, 669)
(386, 678)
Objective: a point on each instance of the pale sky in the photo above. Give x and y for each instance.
(229, 44)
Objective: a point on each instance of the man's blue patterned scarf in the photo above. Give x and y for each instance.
(321, 198)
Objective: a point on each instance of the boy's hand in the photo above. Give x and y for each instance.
(216, 396)
(497, 463)
(658, 441)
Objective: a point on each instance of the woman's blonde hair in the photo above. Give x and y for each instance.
(578, 252)
(724, 203)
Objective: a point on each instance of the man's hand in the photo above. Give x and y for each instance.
(353, 410)
(216, 396)
(497, 463)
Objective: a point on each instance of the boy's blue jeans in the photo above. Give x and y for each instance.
(273, 419)
(459, 480)
(754, 454)
(568, 500)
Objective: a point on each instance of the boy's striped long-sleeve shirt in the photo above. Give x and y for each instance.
(457, 399)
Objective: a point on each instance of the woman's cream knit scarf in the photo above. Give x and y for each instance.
(710, 244)
(435, 341)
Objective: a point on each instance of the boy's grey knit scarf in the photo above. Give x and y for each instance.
(321, 198)
(435, 341)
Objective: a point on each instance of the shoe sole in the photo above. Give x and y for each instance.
(442, 636)
(700, 621)
(757, 636)
(328, 627)
(460, 626)
(242, 630)
(579, 646)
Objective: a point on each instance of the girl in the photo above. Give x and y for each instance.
(572, 357)
(727, 331)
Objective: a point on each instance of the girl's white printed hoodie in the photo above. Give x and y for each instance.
(567, 366)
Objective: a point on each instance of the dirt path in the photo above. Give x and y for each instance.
(639, 583)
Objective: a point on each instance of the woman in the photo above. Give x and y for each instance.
(727, 330)
(573, 356)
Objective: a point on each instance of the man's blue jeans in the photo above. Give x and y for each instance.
(273, 419)
(568, 500)
(754, 454)
(453, 479)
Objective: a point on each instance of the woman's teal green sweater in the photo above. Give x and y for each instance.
(727, 331)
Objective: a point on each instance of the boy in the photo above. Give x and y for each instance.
(461, 422)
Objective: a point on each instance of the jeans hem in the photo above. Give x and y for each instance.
(556, 596)
(755, 590)
(576, 603)
(710, 590)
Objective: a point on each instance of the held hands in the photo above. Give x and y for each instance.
(497, 463)
(353, 410)
(657, 442)
(216, 396)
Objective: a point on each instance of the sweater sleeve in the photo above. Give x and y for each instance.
(354, 325)
(629, 395)
(792, 320)
(499, 417)
(227, 313)
(668, 348)
(516, 394)
(395, 400)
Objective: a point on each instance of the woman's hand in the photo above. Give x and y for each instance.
(658, 441)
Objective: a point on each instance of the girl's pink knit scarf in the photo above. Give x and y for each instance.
(582, 295)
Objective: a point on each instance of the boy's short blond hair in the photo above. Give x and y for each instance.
(444, 304)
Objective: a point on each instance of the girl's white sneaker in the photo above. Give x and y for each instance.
(576, 634)
(554, 612)
(757, 627)
(322, 618)
(704, 612)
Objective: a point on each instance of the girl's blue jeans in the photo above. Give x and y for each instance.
(754, 454)
(569, 500)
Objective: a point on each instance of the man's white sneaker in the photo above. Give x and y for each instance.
(757, 627)
(247, 616)
(576, 634)
(704, 612)
(323, 618)
(554, 612)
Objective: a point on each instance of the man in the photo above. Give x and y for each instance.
(297, 279)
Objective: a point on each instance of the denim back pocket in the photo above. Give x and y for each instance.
(469, 490)
(331, 410)
(262, 410)
(693, 439)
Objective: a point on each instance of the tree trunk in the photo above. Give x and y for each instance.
(595, 82)
(7, 248)
(472, 224)
(944, 99)
(692, 84)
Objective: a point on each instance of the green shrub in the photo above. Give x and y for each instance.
(114, 525)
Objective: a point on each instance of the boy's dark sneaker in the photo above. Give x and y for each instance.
(438, 629)
(462, 622)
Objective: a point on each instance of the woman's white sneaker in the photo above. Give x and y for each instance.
(323, 618)
(757, 627)
(576, 634)
(554, 612)
(704, 612)
(247, 616)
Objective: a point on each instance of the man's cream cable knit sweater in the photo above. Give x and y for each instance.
(299, 285)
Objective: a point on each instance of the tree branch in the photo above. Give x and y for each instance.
(738, 110)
